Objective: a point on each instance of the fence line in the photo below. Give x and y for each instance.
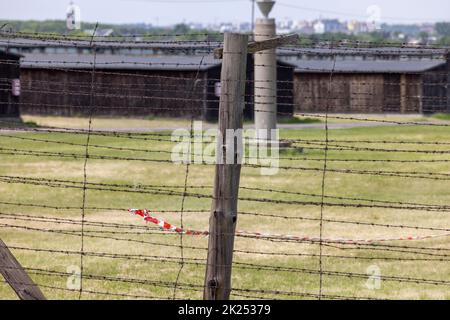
(293, 244)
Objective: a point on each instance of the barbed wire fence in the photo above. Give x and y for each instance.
(317, 242)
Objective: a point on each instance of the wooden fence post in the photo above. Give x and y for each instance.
(16, 276)
(226, 183)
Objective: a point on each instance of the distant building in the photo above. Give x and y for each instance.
(370, 81)
(26, 46)
(319, 27)
(333, 26)
(141, 79)
(73, 18)
(129, 85)
(357, 27)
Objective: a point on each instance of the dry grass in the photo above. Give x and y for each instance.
(107, 123)
(139, 172)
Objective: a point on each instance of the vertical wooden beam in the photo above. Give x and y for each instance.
(16, 276)
(447, 57)
(419, 88)
(403, 93)
(226, 183)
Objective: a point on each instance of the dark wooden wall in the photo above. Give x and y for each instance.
(131, 93)
(175, 94)
(211, 105)
(285, 97)
(435, 89)
(116, 92)
(9, 69)
(285, 90)
(357, 93)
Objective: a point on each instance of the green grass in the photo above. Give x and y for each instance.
(107, 122)
(297, 120)
(304, 222)
(31, 124)
(442, 116)
(17, 123)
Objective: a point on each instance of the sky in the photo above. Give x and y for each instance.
(167, 12)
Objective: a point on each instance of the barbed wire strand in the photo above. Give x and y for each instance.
(83, 213)
(322, 205)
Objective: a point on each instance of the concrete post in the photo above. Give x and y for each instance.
(265, 80)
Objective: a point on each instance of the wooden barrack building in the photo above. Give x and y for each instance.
(130, 85)
(370, 80)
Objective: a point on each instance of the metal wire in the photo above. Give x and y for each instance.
(267, 208)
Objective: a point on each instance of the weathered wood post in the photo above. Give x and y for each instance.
(222, 223)
(226, 182)
(16, 276)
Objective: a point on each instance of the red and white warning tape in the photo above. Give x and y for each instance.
(164, 225)
(144, 213)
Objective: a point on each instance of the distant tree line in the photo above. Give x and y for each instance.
(180, 31)
(184, 32)
(443, 28)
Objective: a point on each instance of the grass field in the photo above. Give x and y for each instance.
(293, 272)
(171, 123)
